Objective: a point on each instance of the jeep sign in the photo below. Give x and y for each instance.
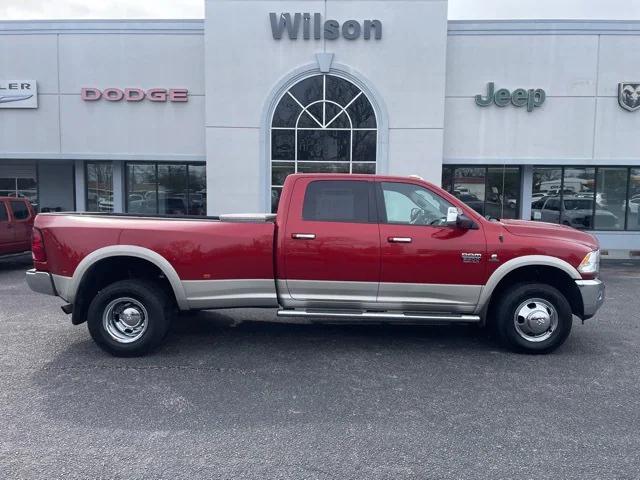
(18, 94)
(520, 97)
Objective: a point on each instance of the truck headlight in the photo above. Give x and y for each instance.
(590, 263)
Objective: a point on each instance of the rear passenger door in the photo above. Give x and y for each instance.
(332, 244)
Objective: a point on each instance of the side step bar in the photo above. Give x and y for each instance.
(380, 316)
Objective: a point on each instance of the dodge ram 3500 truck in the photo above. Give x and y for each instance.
(342, 248)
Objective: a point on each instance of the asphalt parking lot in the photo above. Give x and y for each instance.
(232, 397)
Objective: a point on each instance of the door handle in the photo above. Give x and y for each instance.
(303, 236)
(399, 239)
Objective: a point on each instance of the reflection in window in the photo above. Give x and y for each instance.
(490, 191)
(633, 204)
(166, 188)
(594, 198)
(322, 124)
(99, 182)
(611, 196)
(26, 187)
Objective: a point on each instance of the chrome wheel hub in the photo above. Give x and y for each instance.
(535, 319)
(125, 319)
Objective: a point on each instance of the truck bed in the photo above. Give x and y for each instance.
(209, 256)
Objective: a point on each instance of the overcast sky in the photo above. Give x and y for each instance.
(458, 9)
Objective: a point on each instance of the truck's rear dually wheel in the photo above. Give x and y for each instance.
(532, 318)
(129, 317)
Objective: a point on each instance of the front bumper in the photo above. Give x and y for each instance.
(40, 282)
(592, 292)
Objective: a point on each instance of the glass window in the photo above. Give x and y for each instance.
(546, 182)
(577, 197)
(410, 204)
(490, 191)
(611, 196)
(141, 188)
(447, 179)
(172, 189)
(469, 186)
(20, 188)
(323, 123)
(99, 181)
(633, 205)
(503, 192)
(197, 190)
(337, 201)
(4, 216)
(166, 188)
(20, 210)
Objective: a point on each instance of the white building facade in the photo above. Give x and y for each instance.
(519, 119)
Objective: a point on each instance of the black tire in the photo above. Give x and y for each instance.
(513, 331)
(142, 297)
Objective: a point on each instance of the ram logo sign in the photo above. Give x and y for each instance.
(18, 94)
(629, 95)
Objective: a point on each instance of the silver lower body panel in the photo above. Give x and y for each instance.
(382, 317)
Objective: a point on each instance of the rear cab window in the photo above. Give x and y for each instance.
(349, 201)
(19, 209)
(4, 216)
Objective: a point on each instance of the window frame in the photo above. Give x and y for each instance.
(86, 183)
(596, 168)
(13, 212)
(373, 210)
(157, 185)
(382, 207)
(486, 167)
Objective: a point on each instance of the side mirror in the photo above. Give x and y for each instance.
(457, 219)
(465, 223)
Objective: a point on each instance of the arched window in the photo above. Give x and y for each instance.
(322, 124)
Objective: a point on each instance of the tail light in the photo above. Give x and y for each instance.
(37, 246)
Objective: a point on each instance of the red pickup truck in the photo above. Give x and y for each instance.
(348, 248)
(16, 222)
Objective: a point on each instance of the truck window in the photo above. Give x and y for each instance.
(4, 216)
(411, 204)
(20, 210)
(337, 201)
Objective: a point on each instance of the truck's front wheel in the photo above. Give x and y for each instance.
(533, 318)
(128, 318)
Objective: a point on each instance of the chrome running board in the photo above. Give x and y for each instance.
(395, 317)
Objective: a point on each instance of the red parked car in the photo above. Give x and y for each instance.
(352, 248)
(16, 222)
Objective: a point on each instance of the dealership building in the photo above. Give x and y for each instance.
(520, 119)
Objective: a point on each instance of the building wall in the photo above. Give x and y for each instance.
(245, 67)
(580, 121)
(101, 55)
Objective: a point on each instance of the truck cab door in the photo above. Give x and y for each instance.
(7, 235)
(331, 245)
(22, 224)
(426, 265)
